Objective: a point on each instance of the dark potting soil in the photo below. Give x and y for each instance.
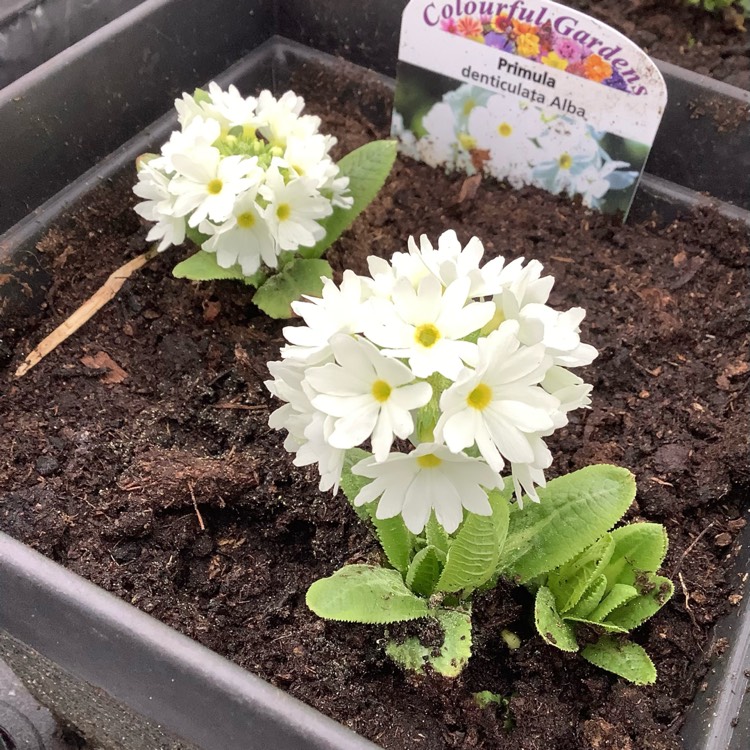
(137, 454)
(713, 44)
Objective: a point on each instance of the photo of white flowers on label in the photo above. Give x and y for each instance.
(531, 93)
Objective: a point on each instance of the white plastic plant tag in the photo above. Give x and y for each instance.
(530, 92)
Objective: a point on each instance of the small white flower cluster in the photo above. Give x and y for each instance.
(467, 362)
(251, 174)
(519, 142)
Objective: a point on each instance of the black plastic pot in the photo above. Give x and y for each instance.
(120, 677)
(32, 31)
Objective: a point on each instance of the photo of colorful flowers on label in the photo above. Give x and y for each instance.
(553, 48)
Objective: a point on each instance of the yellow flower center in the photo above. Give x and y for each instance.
(565, 161)
(283, 211)
(504, 129)
(480, 397)
(214, 187)
(428, 461)
(381, 391)
(469, 104)
(427, 335)
(246, 220)
(467, 141)
(298, 169)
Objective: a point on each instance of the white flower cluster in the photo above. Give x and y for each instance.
(518, 142)
(253, 175)
(467, 362)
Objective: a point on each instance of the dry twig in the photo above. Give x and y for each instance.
(85, 312)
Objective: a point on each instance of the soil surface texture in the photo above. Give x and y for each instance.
(138, 453)
(713, 44)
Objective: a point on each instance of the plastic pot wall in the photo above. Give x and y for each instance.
(122, 678)
(32, 31)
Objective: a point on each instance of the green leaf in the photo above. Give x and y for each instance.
(367, 168)
(591, 598)
(625, 659)
(351, 484)
(475, 550)
(486, 698)
(298, 277)
(395, 539)
(551, 626)
(570, 581)
(437, 536)
(638, 547)
(364, 593)
(575, 510)
(620, 594)
(655, 590)
(201, 96)
(451, 657)
(203, 267)
(196, 237)
(423, 572)
(597, 627)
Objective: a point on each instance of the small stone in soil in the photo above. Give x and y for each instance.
(46, 465)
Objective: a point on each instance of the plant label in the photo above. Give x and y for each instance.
(530, 92)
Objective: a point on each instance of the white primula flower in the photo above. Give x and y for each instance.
(318, 450)
(438, 147)
(464, 100)
(243, 238)
(568, 389)
(429, 478)
(426, 325)
(282, 118)
(407, 140)
(232, 107)
(308, 430)
(593, 183)
(527, 477)
(498, 404)
(197, 136)
(368, 394)
(566, 149)
(561, 333)
(208, 184)
(153, 185)
(339, 309)
(506, 129)
(254, 175)
(293, 210)
(450, 261)
(297, 413)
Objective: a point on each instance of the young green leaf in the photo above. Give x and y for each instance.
(437, 536)
(351, 484)
(638, 547)
(423, 572)
(590, 599)
(474, 552)
(203, 267)
(395, 539)
(620, 594)
(364, 593)
(452, 656)
(625, 659)
(367, 168)
(551, 626)
(656, 591)
(298, 277)
(575, 510)
(570, 581)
